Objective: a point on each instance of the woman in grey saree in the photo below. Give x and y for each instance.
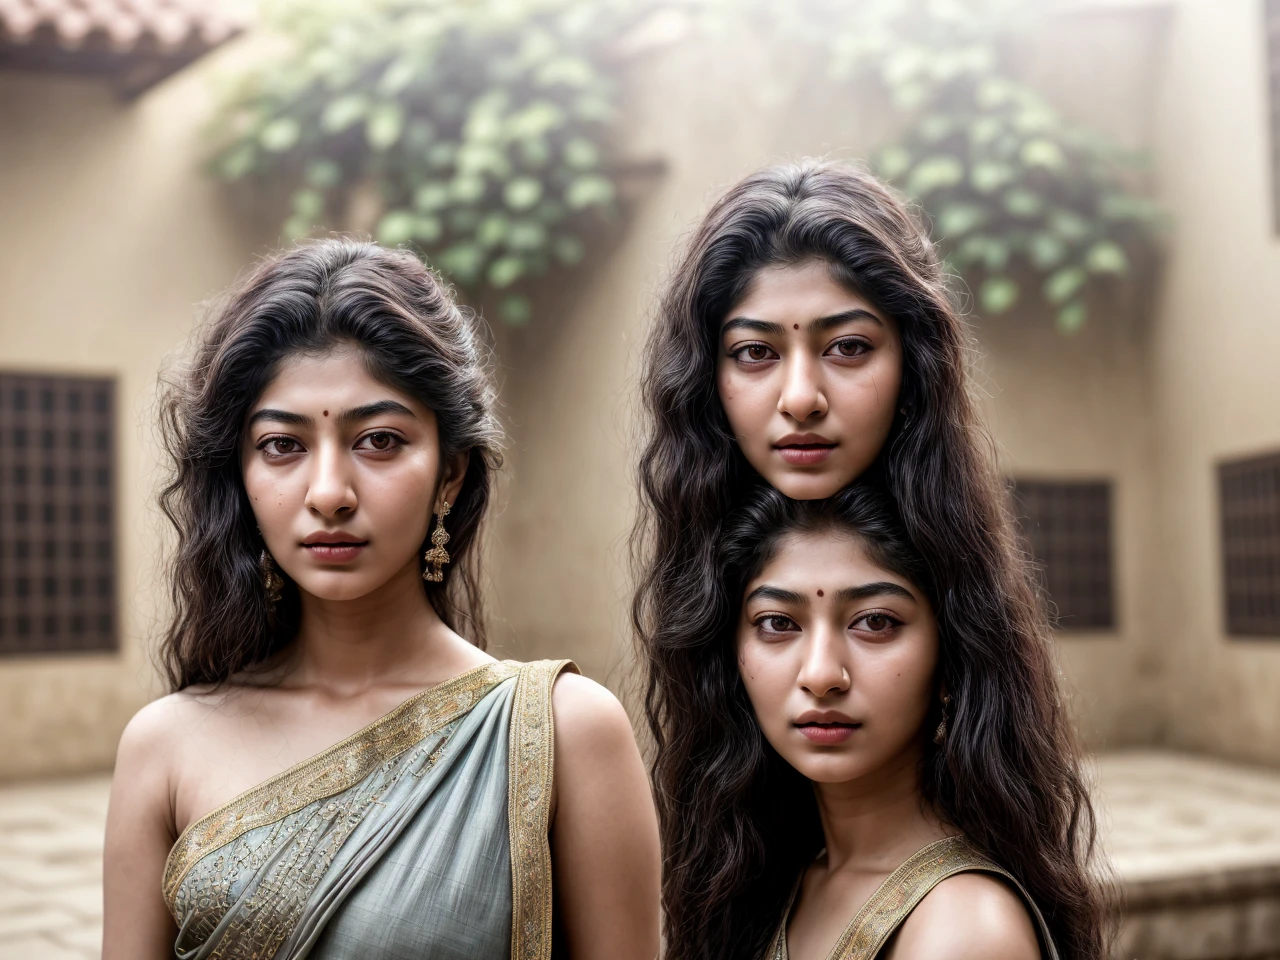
(422, 835)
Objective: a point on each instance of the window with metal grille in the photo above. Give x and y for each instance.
(57, 483)
(1249, 491)
(1271, 12)
(1067, 525)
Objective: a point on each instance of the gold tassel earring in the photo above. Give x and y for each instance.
(940, 735)
(272, 582)
(437, 556)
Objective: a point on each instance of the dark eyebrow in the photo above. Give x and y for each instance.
(881, 588)
(373, 410)
(280, 416)
(767, 592)
(756, 326)
(845, 316)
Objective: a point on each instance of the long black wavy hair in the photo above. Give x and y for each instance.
(1010, 776)
(314, 297)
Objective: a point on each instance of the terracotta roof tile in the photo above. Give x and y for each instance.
(168, 25)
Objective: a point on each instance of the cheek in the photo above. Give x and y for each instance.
(766, 678)
(747, 403)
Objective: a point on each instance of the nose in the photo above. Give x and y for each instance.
(803, 395)
(824, 669)
(330, 493)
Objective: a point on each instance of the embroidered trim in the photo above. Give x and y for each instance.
(893, 901)
(332, 771)
(531, 773)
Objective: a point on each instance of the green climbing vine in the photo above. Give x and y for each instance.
(483, 130)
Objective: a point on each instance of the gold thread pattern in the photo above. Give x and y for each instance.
(901, 893)
(531, 774)
(331, 772)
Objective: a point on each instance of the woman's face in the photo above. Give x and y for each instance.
(809, 376)
(342, 472)
(838, 657)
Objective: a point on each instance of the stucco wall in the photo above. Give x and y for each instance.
(111, 237)
(1216, 364)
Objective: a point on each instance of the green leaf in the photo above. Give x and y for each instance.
(431, 196)
(308, 204)
(934, 173)
(956, 219)
(516, 311)
(569, 250)
(343, 112)
(1064, 284)
(1072, 317)
(1042, 152)
(385, 123)
(588, 191)
(1046, 250)
(427, 230)
(580, 153)
(396, 228)
(526, 235)
(1106, 256)
(505, 271)
(999, 294)
(397, 77)
(323, 173)
(988, 176)
(492, 230)
(894, 161)
(462, 261)
(1069, 225)
(236, 163)
(280, 134)
(295, 228)
(565, 71)
(522, 193)
(1022, 202)
(467, 189)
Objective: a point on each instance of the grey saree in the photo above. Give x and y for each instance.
(891, 904)
(424, 835)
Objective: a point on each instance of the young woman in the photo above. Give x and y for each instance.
(851, 832)
(807, 339)
(342, 772)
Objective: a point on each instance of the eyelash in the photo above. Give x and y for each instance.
(264, 444)
(893, 621)
(738, 353)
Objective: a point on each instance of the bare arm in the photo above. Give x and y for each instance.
(971, 916)
(136, 922)
(604, 835)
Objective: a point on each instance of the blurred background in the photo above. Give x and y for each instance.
(1101, 175)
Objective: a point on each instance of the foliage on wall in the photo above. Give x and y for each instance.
(480, 127)
(484, 129)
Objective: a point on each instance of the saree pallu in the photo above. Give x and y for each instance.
(891, 904)
(424, 835)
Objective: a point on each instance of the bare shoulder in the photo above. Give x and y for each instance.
(971, 916)
(588, 717)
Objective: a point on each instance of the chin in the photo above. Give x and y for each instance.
(338, 588)
(810, 486)
(832, 768)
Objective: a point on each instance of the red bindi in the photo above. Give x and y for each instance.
(326, 413)
(795, 326)
(819, 593)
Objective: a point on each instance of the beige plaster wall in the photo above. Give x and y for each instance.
(1216, 367)
(110, 238)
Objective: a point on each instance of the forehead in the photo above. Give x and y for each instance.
(334, 380)
(829, 559)
(801, 291)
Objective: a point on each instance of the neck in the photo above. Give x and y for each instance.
(391, 636)
(880, 818)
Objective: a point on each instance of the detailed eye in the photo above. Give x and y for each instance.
(849, 349)
(381, 442)
(279, 446)
(750, 353)
(876, 622)
(775, 623)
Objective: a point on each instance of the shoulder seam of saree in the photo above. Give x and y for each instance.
(531, 773)
(902, 892)
(333, 770)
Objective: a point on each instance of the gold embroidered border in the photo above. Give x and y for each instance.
(531, 773)
(334, 770)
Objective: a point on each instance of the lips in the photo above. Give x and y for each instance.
(333, 547)
(826, 727)
(804, 449)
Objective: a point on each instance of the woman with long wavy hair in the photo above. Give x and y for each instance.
(341, 771)
(807, 339)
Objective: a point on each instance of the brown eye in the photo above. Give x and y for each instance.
(849, 349)
(757, 352)
(380, 441)
(877, 622)
(281, 446)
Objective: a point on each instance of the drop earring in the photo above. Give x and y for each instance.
(272, 582)
(437, 556)
(940, 734)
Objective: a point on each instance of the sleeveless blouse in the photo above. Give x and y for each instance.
(424, 835)
(891, 904)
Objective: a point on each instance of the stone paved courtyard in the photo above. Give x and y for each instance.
(1191, 839)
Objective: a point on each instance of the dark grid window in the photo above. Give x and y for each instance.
(1272, 28)
(57, 549)
(1067, 525)
(1250, 503)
